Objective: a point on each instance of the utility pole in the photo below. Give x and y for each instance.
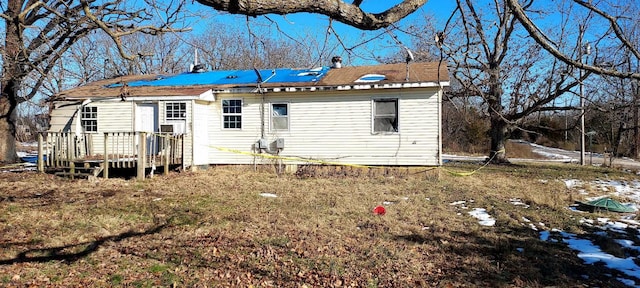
(586, 51)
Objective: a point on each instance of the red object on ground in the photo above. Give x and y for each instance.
(379, 210)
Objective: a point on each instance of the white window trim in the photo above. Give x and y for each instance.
(373, 116)
(222, 114)
(288, 117)
(82, 119)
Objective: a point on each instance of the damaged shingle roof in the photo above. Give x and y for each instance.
(192, 84)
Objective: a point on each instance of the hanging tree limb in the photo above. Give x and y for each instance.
(350, 14)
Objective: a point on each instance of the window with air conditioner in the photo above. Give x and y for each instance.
(175, 118)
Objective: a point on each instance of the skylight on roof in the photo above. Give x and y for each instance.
(369, 78)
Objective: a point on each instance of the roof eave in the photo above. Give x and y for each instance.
(344, 87)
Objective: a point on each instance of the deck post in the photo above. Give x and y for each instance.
(40, 154)
(167, 154)
(105, 164)
(142, 143)
(182, 152)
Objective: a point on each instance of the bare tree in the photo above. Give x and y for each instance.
(497, 63)
(38, 33)
(246, 48)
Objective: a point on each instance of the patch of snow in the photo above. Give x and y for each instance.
(268, 195)
(572, 183)
(518, 202)
(457, 203)
(482, 215)
(591, 253)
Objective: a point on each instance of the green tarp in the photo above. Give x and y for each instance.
(605, 203)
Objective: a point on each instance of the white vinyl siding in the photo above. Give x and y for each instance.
(317, 131)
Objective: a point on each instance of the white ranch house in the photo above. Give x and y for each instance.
(368, 115)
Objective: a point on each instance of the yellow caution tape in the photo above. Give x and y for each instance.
(292, 158)
(318, 161)
(10, 166)
(454, 173)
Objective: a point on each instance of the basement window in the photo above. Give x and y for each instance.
(385, 115)
(89, 119)
(232, 113)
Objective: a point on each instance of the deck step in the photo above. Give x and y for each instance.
(79, 172)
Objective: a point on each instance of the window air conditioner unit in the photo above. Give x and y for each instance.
(166, 128)
(175, 128)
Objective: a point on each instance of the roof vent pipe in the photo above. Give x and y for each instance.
(196, 67)
(336, 62)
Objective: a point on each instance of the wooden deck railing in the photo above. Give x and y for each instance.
(138, 150)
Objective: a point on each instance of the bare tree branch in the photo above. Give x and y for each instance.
(350, 14)
(545, 43)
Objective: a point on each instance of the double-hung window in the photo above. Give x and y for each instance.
(280, 116)
(232, 114)
(385, 115)
(89, 119)
(176, 111)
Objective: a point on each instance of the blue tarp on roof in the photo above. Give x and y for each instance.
(236, 77)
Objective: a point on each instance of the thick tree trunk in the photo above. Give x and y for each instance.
(11, 78)
(498, 129)
(497, 134)
(7, 130)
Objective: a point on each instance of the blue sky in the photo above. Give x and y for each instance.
(303, 25)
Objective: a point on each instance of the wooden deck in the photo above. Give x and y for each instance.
(140, 153)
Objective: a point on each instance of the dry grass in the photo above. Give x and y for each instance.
(212, 228)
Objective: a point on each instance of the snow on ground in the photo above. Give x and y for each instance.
(484, 218)
(551, 153)
(587, 250)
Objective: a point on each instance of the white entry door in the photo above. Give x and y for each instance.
(147, 118)
(147, 121)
